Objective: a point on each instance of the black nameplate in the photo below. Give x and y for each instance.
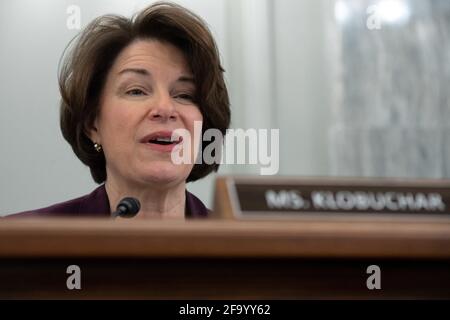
(338, 196)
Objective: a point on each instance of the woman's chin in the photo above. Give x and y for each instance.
(164, 174)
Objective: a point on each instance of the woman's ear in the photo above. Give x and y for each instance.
(93, 133)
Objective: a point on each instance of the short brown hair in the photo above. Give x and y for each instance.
(87, 61)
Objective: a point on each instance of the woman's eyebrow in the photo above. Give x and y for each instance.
(187, 79)
(146, 73)
(141, 72)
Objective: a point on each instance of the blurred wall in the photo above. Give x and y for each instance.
(391, 99)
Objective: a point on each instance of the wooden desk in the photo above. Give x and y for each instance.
(308, 258)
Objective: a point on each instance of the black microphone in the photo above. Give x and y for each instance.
(127, 208)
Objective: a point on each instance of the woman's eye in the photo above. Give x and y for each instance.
(185, 96)
(135, 92)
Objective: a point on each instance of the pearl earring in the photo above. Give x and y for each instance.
(98, 147)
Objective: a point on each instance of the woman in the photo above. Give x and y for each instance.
(126, 86)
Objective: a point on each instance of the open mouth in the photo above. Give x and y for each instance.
(164, 141)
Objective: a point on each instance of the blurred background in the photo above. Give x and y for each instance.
(356, 87)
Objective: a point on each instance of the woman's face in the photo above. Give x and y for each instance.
(147, 95)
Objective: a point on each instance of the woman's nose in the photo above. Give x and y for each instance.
(162, 108)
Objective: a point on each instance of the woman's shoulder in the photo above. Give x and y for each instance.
(195, 207)
(93, 204)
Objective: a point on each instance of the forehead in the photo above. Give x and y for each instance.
(152, 53)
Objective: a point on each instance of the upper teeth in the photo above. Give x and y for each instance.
(164, 139)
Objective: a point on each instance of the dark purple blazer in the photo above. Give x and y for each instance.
(96, 204)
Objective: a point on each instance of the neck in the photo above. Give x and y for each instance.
(159, 202)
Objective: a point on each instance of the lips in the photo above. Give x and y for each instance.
(162, 140)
